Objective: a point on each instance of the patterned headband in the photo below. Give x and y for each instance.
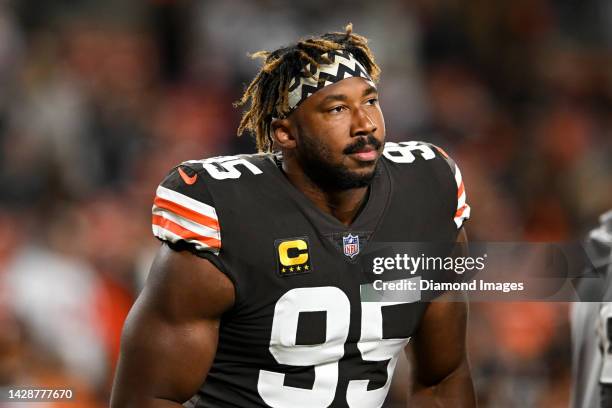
(343, 65)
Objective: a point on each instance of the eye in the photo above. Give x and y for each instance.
(337, 109)
(372, 101)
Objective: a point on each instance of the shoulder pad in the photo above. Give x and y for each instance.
(409, 152)
(184, 211)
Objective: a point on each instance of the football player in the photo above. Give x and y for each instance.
(254, 299)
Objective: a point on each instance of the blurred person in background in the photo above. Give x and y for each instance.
(52, 290)
(48, 337)
(225, 321)
(592, 324)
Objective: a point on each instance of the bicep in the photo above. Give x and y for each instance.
(170, 337)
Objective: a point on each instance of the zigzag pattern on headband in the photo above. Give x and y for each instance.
(343, 65)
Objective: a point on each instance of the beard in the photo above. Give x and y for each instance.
(315, 160)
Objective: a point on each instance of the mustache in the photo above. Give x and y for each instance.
(361, 143)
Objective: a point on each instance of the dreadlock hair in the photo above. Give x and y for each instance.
(268, 92)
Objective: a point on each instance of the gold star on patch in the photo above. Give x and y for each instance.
(283, 270)
(298, 268)
(291, 269)
(306, 267)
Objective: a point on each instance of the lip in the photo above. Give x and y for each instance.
(366, 154)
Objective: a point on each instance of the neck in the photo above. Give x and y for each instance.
(344, 205)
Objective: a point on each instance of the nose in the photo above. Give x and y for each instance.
(363, 124)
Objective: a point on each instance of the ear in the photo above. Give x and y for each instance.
(282, 135)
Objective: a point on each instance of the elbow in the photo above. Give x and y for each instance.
(455, 389)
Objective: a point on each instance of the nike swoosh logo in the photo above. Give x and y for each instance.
(188, 180)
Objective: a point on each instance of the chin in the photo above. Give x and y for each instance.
(358, 178)
(362, 168)
(364, 171)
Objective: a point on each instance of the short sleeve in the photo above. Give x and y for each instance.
(184, 214)
(462, 209)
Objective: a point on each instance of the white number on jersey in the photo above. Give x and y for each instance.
(224, 167)
(325, 356)
(374, 348)
(402, 152)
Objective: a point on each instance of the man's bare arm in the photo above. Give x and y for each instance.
(170, 337)
(441, 374)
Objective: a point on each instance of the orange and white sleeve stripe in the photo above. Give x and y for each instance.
(177, 217)
(463, 209)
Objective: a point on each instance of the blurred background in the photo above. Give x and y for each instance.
(98, 100)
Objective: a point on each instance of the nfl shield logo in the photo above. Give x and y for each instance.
(351, 245)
